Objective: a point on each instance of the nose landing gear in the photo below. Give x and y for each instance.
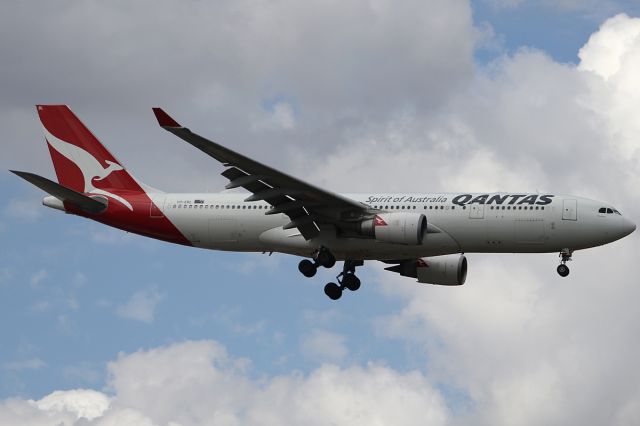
(563, 269)
(347, 279)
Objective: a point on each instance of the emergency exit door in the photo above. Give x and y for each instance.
(569, 210)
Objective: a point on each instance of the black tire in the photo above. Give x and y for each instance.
(326, 259)
(333, 290)
(563, 270)
(307, 268)
(351, 282)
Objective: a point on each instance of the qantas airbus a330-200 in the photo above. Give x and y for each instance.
(423, 236)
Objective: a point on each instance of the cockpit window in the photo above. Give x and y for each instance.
(609, 211)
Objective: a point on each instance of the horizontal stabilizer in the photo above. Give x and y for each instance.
(87, 204)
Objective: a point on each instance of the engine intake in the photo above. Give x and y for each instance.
(447, 270)
(399, 228)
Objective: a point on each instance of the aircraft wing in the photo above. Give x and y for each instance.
(306, 205)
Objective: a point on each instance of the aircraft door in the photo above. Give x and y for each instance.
(569, 210)
(476, 211)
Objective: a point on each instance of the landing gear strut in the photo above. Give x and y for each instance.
(565, 255)
(322, 257)
(346, 279)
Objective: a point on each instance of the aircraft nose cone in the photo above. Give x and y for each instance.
(628, 226)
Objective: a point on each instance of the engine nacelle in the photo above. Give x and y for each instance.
(398, 227)
(441, 270)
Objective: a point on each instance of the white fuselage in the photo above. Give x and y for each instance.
(456, 225)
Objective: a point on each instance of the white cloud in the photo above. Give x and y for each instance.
(323, 345)
(608, 49)
(141, 306)
(83, 403)
(197, 383)
(613, 55)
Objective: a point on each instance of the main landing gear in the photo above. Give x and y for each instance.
(346, 279)
(322, 257)
(563, 269)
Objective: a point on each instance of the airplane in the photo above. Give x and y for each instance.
(421, 236)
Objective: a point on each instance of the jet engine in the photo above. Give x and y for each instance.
(441, 270)
(398, 227)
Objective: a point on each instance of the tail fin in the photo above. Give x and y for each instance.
(81, 162)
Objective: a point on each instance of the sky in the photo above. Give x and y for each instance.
(100, 327)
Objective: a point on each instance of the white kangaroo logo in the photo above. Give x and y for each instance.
(89, 166)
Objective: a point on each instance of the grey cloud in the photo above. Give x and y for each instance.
(217, 65)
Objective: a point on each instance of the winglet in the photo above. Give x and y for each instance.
(164, 119)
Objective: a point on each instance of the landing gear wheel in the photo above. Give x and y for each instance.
(326, 259)
(333, 290)
(563, 270)
(351, 282)
(565, 256)
(307, 268)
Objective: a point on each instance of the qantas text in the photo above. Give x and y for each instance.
(540, 200)
(464, 199)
